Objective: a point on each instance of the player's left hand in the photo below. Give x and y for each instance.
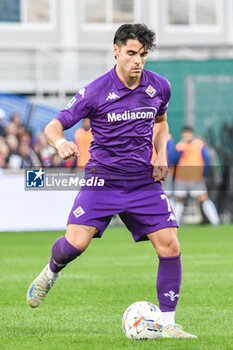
(160, 170)
(68, 150)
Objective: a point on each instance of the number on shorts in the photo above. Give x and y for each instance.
(163, 196)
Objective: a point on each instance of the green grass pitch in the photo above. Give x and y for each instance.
(84, 308)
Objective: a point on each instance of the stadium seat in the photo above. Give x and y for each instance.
(11, 103)
(41, 115)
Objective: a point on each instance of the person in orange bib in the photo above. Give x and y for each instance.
(83, 138)
(168, 183)
(192, 166)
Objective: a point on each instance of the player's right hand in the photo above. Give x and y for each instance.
(67, 150)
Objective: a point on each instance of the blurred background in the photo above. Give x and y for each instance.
(49, 49)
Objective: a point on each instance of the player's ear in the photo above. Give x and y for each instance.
(116, 50)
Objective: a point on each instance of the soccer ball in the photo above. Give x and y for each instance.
(142, 320)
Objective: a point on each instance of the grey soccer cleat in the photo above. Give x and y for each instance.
(176, 331)
(39, 288)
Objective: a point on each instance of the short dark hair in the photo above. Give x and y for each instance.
(187, 128)
(138, 31)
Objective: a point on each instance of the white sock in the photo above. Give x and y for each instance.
(169, 318)
(210, 211)
(178, 209)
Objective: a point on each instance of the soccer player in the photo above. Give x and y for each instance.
(168, 184)
(192, 166)
(122, 106)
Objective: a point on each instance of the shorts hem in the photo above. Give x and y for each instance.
(94, 224)
(143, 236)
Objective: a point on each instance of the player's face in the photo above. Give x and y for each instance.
(187, 136)
(131, 58)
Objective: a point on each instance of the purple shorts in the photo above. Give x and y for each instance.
(142, 206)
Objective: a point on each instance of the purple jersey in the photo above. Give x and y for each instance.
(121, 120)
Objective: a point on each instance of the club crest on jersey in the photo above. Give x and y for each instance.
(78, 212)
(150, 91)
(71, 102)
(112, 96)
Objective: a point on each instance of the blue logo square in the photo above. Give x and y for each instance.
(35, 178)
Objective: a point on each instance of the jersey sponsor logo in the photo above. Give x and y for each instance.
(137, 113)
(82, 92)
(112, 96)
(71, 102)
(150, 91)
(35, 178)
(171, 294)
(78, 212)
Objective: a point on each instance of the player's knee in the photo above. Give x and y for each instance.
(174, 247)
(202, 197)
(78, 242)
(59, 251)
(169, 247)
(80, 236)
(82, 246)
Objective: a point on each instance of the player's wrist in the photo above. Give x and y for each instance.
(162, 156)
(59, 142)
(161, 152)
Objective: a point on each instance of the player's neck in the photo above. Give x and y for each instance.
(129, 82)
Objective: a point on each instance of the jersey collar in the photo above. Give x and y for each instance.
(121, 86)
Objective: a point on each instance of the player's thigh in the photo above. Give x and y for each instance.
(198, 189)
(165, 241)
(180, 189)
(168, 185)
(80, 236)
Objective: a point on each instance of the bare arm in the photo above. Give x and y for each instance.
(160, 138)
(54, 133)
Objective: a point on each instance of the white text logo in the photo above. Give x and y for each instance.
(137, 113)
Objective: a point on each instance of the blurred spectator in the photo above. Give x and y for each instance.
(12, 129)
(28, 156)
(13, 144)
(24, 135)
(56, 161)
(4, 154)
(192, 167)
(83, 138)
(35, 144)
(46, 151)
(14, 160)
(16, 119)
(2, 116)
(18, 150)
(2, 140)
